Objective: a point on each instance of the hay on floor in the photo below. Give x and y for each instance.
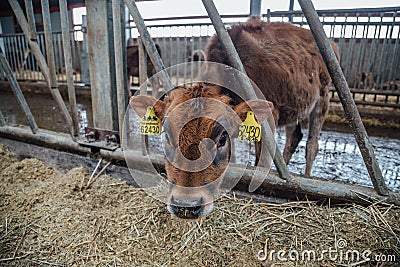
(48, 219)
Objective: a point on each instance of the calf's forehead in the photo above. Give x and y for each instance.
(195, 118)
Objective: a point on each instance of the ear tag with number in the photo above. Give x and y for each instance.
(250, 129)
(150, 124)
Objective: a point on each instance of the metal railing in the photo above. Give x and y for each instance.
(368, 41)
(23, 63)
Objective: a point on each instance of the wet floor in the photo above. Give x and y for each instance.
(338, 158)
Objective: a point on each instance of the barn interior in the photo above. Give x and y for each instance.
(70, 192)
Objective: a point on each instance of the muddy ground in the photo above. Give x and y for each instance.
(50, 219)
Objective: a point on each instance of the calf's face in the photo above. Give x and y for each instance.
(198, 124)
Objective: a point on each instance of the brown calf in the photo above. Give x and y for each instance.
(284, 62)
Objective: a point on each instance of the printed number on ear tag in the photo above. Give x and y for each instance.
(150, 124)
(250, 129)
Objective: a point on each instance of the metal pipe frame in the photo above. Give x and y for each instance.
(120, 61)
(19, 14)
(247, 87)
(18, 93)
(31, 19)
(321, 188)
(345, 96)
(68, 65)
(143, 87)
(2, 120)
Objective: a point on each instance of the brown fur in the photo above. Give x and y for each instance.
(285, 63)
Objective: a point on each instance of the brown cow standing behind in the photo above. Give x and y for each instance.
(285, 63)
(132, 65)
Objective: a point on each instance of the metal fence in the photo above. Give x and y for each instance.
(368, 41)
(23, 63)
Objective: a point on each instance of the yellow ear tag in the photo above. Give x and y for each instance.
(250, 129)
(150, 124)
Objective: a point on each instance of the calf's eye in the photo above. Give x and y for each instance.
(222, 140)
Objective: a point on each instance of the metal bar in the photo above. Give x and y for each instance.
(2, 120)
(255, 8)
(320, 188)
(18, 93)
(101, 64)
(345, 97)
(149, 44)
(143, 86)
(68, 65)
(120, 69)
(35, 49)
(246, 85)
(31, 19)
(291, 8)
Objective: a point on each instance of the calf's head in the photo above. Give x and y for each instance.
(199, 123)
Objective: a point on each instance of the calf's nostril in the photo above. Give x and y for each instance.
(186, 209)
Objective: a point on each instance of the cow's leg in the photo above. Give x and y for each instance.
(316, 120)
(293, 138)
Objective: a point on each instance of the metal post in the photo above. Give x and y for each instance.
(2, 120)
(346, 99)
(31, 19)
(291, 8)
(35, 49)
(68, 65)
(255, 8)
(149, 44)
(18, 93)
(143, 86)
(246, 85)
(84, 54)
(100, 62)
(120, 60)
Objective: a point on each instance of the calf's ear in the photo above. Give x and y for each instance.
(140, 103)
(262, 109)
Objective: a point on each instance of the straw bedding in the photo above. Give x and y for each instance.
(51, 219)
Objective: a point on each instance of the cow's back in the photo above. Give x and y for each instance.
(283, 60)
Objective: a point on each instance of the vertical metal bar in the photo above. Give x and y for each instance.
(23, 66)
(149, 44)
(255, 8)
(60, 69)
(2, 119)
(291, 8)
(343, 90)
(101, 63)
(18, 93)
(246, 85)
(178, 57)
(185, 53)
(48, 71)
(171, 62)
(68, 65)
(120, 69)
(143, 86)
(191, 65)
(31, 19)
